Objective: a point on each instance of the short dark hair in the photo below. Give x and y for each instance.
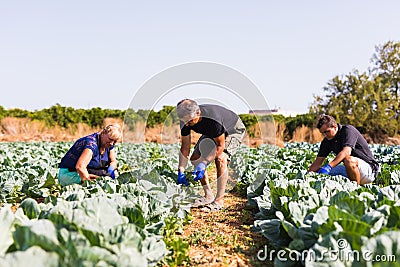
(326, 119)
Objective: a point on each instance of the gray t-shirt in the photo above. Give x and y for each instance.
(215, 121)
(348, 135)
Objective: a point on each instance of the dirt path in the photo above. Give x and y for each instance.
(224, 238)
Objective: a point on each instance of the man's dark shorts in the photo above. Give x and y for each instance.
(232, 141)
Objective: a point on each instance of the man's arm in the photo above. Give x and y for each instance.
(184, 153)
(346, 151)
(316, 165)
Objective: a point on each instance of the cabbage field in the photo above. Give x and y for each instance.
(130, 221)
(319, 220)
(135, 220)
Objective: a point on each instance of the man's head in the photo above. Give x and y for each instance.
(327, 126)
(188, 112)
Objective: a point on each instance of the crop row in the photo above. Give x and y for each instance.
(130, 221)
(320, 220)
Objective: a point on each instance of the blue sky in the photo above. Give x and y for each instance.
(99, 53)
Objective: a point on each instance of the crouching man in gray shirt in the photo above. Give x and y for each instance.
(350, 148)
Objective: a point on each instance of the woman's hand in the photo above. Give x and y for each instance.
(93, 177)
(82, 163)
(90, 177)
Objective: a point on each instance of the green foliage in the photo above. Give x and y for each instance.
(249, 120)
(279, 118)
(310, 212)
(137, 219)
(370, 100)
(67, 116)
(18, 113)
(299, 120)
(134, 220)
(388, 175)
(179, 249)
(3, 112)
(30, 208)
(58, 115)
(166, 116)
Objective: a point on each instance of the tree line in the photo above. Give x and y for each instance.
(61, 116)
(368, 100)
(67, 116)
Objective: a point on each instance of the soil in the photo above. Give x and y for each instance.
(225, 238)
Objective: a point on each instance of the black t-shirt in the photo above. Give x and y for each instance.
(215, 121)
(349, 136)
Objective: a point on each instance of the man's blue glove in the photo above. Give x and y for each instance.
(325, 169)
(111, 171)
(182, 179)
(199, 171)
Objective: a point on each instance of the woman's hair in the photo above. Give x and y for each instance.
(113, 130)
(326, 119)
(187, 107)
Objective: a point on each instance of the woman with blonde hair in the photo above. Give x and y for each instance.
(90, 157)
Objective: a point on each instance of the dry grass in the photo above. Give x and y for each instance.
(159, 134)
(20, 126)
(170, 134)
(265, 133)
(306, 134)
(280, 132)
(382, 139)
(136, 135)
(24, 129)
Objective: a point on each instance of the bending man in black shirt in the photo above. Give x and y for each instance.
(350, 148)
(222, 133)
